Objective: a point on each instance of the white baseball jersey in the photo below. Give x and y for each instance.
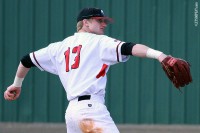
(81, 61)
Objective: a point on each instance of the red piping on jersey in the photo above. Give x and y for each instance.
(102, 72)
(117, 52)
(36, 60)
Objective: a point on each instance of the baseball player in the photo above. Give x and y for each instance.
(81, 61)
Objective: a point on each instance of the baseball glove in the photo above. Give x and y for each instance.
(177, 70)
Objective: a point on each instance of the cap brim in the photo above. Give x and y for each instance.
(107, 19)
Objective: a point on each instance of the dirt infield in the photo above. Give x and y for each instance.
(60, 128)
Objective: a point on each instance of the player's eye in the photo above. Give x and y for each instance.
(100, 20)
(103, 21)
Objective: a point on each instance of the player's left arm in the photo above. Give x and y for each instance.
(176, 69)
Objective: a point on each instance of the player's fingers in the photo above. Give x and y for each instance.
(12, 93)
(16, 96)
(10, 98)
(17, 93)
(5, 96)
(8, 95)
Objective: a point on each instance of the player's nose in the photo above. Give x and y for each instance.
(104, 24)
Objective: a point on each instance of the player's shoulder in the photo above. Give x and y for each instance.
(55, 44)
(68, 38)
(105, 38)
(62, 42)
(58, 44)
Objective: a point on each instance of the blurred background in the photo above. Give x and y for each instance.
(138, 92)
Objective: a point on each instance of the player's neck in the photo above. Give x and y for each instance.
(84, 30)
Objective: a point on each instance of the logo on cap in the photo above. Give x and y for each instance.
(102, 12)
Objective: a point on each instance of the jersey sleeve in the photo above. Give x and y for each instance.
(44, 58)
(110, 51)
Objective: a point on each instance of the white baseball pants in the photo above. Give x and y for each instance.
(83, 116)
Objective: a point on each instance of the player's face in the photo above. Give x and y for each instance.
(97, 25)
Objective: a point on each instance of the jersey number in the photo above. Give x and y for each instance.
(76, 50)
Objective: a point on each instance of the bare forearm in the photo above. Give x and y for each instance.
(141, 50)
(22, 71)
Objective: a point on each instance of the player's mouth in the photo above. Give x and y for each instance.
(102, 28)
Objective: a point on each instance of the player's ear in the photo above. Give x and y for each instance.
(85, 22)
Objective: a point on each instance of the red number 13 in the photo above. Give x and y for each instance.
(76, 50)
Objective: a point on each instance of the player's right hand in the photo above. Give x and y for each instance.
(12, 93)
